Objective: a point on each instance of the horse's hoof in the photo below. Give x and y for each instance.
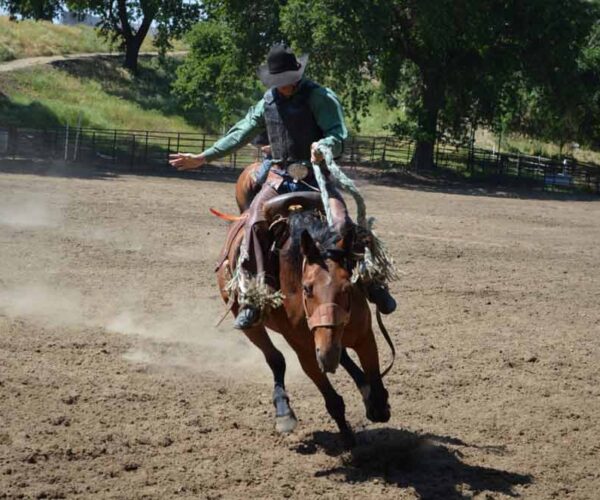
(286, 424)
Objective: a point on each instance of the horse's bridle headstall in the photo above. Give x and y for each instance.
(329, 314)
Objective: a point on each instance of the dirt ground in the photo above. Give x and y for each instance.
(114, 383)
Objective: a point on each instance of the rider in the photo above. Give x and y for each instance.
(297, 115)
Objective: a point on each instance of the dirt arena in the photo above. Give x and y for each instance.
(114, 383)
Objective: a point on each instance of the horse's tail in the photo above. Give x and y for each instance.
(227, 217)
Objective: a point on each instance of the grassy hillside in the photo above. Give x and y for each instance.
(105, 94)
(42, 38)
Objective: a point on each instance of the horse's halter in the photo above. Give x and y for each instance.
(329, 314)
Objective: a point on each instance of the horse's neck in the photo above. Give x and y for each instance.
(290, 270)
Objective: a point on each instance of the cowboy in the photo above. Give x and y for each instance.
(298, 115)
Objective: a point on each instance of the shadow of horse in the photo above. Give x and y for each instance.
(423, 462)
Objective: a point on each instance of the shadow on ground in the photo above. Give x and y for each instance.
(431, 465)
(433, 182)
(58, 168)
(439, 180)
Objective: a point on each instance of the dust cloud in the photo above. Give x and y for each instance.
(184, 335)
(30, 210)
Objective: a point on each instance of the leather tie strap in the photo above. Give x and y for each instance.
(328, 315)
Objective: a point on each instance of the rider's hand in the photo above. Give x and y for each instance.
(266, 150)
(315, 155)
(186, 161)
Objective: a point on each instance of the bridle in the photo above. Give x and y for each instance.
(328, 314)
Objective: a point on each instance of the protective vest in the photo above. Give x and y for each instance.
(291, 126)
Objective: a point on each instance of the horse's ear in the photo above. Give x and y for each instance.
(308, 247)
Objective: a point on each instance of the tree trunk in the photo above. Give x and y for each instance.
(133, 40)
(132, 50)
(432, 100)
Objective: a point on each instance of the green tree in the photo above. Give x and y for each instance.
(127, 22)
(451, 62)
(217, 80)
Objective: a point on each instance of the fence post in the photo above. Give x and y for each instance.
(373, 149)
(203, 142)
(114, 149)
(384, 149)
(168, 148)
(67, 143)
(146, 148)
(132, 160)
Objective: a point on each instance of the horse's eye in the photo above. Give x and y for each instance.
(308, 290)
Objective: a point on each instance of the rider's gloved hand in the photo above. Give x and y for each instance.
(315, 155)
(186, 161)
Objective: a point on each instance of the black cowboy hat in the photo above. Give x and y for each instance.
(282, 67)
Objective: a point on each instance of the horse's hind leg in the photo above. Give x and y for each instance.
(285, 419)
(374, 393)
(333, 401)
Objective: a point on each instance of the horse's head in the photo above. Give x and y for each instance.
(326, 290)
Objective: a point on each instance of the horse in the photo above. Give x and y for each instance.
(323, 312)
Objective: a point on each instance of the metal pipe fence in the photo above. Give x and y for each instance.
(144, 149)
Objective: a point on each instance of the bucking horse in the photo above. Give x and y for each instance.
(322, 312)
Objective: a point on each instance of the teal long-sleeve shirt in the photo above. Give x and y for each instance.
(326, 109)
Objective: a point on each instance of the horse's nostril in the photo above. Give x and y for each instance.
(318, 350)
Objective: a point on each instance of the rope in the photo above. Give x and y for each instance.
(324, 194)
(344, 182)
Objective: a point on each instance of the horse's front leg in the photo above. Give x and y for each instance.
(375, 396)
(285, 419)
(333, 401)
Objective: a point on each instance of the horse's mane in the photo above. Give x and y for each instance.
(325, 239)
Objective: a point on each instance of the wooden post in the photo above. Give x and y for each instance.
(77, 134)
(132, 160)
(114, 151)
(67, 143)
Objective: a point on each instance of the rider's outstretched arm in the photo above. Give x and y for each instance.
(238, 136)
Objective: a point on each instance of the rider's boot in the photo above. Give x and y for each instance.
(247, 317)
(378, 294)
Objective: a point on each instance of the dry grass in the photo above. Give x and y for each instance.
(42, 38)
(107, 96)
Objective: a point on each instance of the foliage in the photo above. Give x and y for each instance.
(450, 65)
(127, 22)
(218, 78)
(32, 9)
(454, 64)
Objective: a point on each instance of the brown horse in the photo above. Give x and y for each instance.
(322, 314)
